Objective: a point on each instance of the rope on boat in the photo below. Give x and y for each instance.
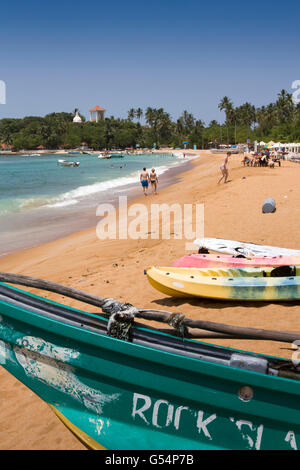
(121, 319)
(176, 320)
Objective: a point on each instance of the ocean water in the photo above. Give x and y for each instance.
(40, 200)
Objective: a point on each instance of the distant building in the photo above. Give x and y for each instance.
(5, 147)
(97, 114)
(77, 118)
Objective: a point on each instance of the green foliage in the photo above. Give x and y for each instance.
(279, 121)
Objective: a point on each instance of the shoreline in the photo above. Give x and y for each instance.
(79, 218)
(114, 268)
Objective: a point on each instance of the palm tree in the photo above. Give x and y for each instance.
(188, 122)
(131, 114)
(199, 129)
(179, 128)
(139, 113)
(226, 105)
(150, 116)
(214, 124)
(285, 106)
(248, 115)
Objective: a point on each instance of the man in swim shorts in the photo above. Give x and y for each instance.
(144, 178)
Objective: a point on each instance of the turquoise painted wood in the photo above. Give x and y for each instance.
(128, 396)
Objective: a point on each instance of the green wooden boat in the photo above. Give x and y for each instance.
(155, 391)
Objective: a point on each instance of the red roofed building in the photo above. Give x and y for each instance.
(6, 147)
(98, 113)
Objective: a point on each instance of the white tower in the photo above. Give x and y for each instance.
(77, 118)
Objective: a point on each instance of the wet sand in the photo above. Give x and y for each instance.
(114, 268)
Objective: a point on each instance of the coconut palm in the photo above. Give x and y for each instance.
(139, 113)
(150, 112)
(188, 122)
(226, 105)
(285, 106)
(131, 114)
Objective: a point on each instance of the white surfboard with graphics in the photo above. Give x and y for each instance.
(236, 248)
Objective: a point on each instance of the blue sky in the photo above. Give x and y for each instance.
(176, 54)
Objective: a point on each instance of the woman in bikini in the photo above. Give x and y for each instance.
(153, 181)
(223, 169)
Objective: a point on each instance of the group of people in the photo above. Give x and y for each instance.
(263, 158)
(146, 178)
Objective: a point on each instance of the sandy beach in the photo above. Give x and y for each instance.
(114, 268)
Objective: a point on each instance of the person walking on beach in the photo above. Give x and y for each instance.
(153, 181)
(144, 178)
(224, 169)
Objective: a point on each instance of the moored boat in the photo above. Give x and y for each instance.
(139, 388)
(149, 390)
(103, 156)
(116, 155)
(68, 163)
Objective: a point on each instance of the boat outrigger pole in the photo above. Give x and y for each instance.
(176, 320)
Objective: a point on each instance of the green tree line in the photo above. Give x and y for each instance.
(278, 121)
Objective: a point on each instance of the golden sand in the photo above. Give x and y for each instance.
(115, 269)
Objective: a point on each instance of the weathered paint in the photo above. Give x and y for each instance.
(121, 395)
(227, 284)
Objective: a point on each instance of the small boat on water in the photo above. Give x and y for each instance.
(68, 163)
(118, 384)
(103, 156)
(35, 155)
(110, 155)
(116, 155)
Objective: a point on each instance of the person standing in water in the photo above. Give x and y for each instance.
(153, 181)
(144, 178)
(224, 169)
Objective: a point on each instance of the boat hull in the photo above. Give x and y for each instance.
(226, 284)
(232, 247)
(211, 260)
(123, 395)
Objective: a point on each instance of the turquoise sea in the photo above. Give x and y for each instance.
(40, 200)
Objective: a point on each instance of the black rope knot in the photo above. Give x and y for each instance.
(176, 321)
(121, 319)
